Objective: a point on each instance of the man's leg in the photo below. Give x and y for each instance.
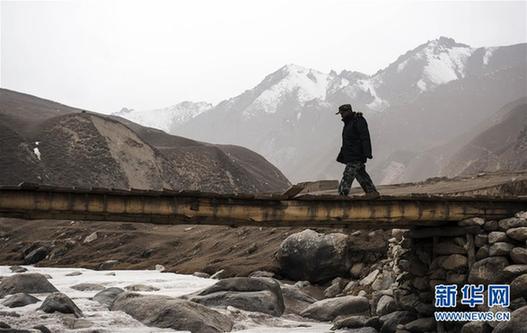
(364, 179)
(347, 178)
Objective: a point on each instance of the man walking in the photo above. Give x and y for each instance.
(356, 148)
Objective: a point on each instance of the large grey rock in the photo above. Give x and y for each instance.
(312, 256)
(330, 308)
(421, 325)
(386, 305)
(174, 313)
(140, 287)
(250, 294)
(471, 221)
(519, 234)
(390, 321)
(59, 302)
(36, 255)
(295, 300)
(519, 286)
(336, 287)
(29, 283)
(500, 249)
(368, 279)
(517, 324)
(515, 270)
(476, 327)
(519, 255)
(513, 222)
(18, 300)
(356, 322)
(107, 296)
(88, 287)
(497, 236)
(488, 270)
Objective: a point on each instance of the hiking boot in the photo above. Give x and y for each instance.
(372, 195)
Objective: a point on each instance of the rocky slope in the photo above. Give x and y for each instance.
(46, 142)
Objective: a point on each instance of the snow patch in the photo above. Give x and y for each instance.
(378, 104)
(445, 64)
(488, 54)
(167, 118)
(306, 84)
(37, 153)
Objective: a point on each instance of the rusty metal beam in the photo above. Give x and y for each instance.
(170, 207)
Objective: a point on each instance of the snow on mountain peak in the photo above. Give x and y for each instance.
(289, 81)
(167, 118)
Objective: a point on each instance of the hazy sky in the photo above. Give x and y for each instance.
(103, 55)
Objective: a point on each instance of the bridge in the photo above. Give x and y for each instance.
(30, 201)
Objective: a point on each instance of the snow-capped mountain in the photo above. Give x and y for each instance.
(425, 97)
(166, 119)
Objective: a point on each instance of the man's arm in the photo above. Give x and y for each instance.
(364, 134)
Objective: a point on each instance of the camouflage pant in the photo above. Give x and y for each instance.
(355, 170)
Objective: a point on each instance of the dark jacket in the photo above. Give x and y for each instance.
(356, 144)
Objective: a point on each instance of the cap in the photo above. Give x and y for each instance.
(344, 107)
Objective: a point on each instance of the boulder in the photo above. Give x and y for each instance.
(390, 321)
(107, 296)
(36, 255)
(519, 255)
(386, 305)
(174, 313)
(250, 294)
(368, 279)
(497, 236)
(18, 269)
(513, 222)
(140, 287)
(519, 286)
(87, 287)
(517, 324)
(330, 308)
(356, 322)
(18, 300)
(29, 283)
(295, 300)
(515, 270)
(421, 325)
(312, 256)
(471, 221)
(336, 287)
(59, 302)
(500, 249)
(476, 327)
(488, 270)
(519, 234)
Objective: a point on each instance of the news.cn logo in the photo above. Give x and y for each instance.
(446, 296)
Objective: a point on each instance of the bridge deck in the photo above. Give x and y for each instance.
(186, 207)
